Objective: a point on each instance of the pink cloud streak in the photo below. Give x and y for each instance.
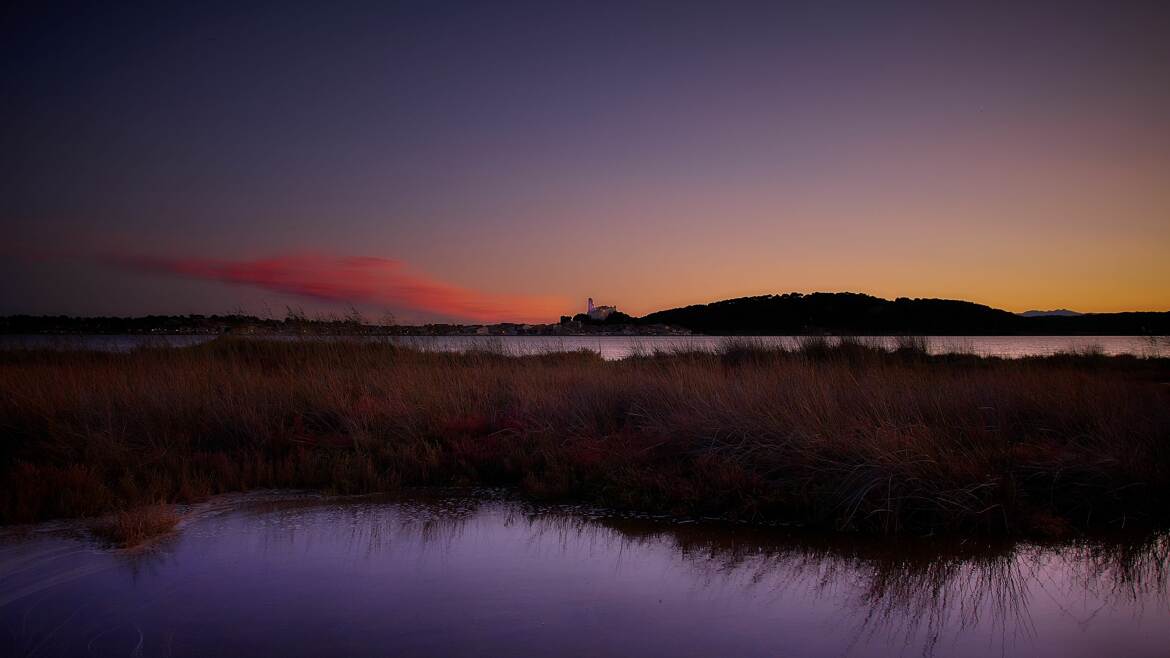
(354, 279)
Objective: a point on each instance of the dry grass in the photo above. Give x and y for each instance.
(137, 525)
(844, 436)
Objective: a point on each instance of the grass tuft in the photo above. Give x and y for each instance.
(135, 526)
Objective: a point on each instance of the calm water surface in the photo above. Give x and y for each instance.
(453, 575)
(619, 347)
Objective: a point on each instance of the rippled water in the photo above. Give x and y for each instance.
(619, 347)
(454, 575)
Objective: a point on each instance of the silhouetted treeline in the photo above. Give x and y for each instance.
(614, 319)
(776, 315)
(181, 324)
(853, 313)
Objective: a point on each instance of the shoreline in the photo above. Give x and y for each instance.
(616, 331)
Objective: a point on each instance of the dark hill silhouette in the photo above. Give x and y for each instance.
(854, 313)
(1055, 311)
(793, 313)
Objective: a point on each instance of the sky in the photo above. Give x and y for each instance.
(502, 161)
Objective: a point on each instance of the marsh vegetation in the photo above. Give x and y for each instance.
(841, 435)
(135, 526)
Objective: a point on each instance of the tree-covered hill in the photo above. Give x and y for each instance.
(854, 313)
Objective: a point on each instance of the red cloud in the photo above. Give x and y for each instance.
(359, 279)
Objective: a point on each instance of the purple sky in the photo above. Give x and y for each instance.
(492, 160)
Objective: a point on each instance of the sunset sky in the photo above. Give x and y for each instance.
(491, 161)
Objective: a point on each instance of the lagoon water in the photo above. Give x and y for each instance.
(454, 574)
(619, 347)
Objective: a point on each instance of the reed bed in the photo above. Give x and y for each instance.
(834, 434)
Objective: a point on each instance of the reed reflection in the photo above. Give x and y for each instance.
(446, 571)
(905, 592)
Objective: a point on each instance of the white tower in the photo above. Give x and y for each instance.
(589, 307)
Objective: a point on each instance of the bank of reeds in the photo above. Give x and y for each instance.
(837, 434)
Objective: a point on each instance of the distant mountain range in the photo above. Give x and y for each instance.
(1055, 311)
(854, 313)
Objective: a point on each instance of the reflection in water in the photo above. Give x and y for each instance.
(620, 347)
(915, 592)
(452, 575)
